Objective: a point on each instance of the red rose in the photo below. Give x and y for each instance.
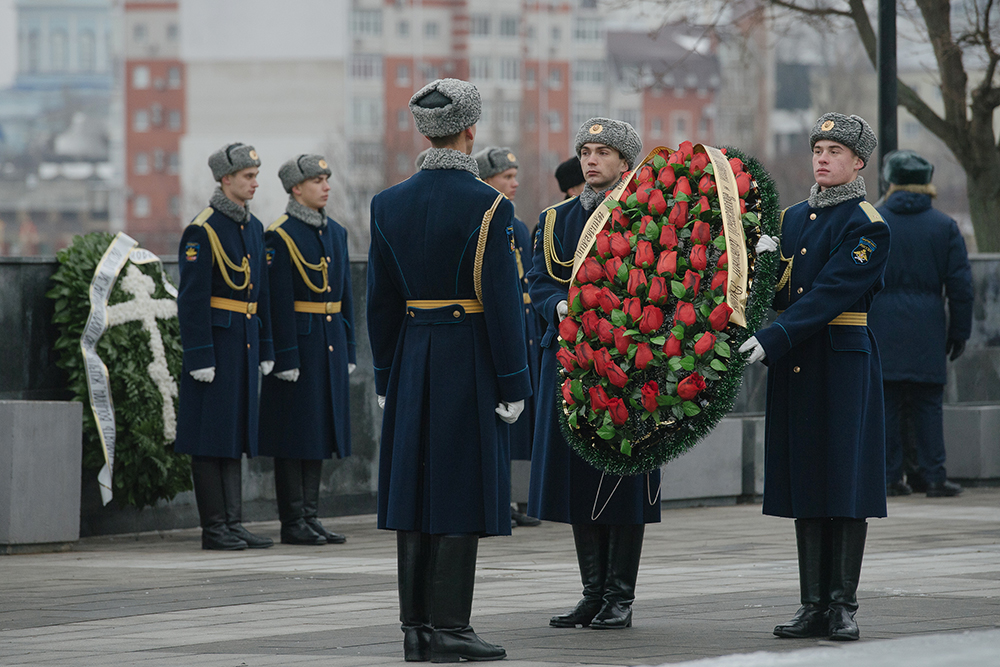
(685, 314)
(706, 185)
(643, 221)
(590, 271)
(683, 186)
(679, 214)
(566, 358)
(690, 386)
(643, 355)
(636, 277)
(622, 341)
(668, 237)
(658, 292)
(698, 164)
(657, 204)
(619, 245)
(743, 183)
(676, 158)
(642, 194)
(743, 207)
(702, 206)
(719, 317)
(644, 174)
(589, 321)
(605, 331)
(719, 279)
(632, 308)
(723, 262)
(672, 348)
(584, 355)
(691, 279)
(568, 329)
(667, 176)
(650, 391)
(618, 411)
(652, 319)
(736, 164)
(603, 243)
(588, 296)
(567, 391)
(704, 344)
(618, 218)
(608, 300)
(701, 232)
(611, 268)
(574, 292)
(686, 149)
(601, 360)
(598, 399)
(698, 258)
(667, 264)
(616, 375)
(644, 256)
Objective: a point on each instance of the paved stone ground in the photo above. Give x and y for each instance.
(713, 582)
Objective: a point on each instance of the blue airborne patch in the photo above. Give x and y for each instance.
(191, 251)
(866, 247)
(269, 255)
(510, 238)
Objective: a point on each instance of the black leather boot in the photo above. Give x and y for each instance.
(810, 620)
(232, 491)
(288, 489)
(592, 554)
(847, 552)
(311, 473)
(624, 551)
(413, 555)
(453, 580)
(207, 475)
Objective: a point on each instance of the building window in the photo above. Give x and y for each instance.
(140, 121)
(584, 111)
(34, 51)
(403, 164)
(366, 22)
(174, 77)
(703, 126)
(656, 127)
(587, 30)
(366, 67)
(479, 67)
(508, 26)
(556, 33)
(529, 76)
(431, 30)
(911, 129)
(140, 77)
(366, 154)
(175, 205)
(88, 51)
(479, 25)
(510, 69)
(174, 121)
(402, 75)
(140, 164)
(174, 163)
(367, 114)
(172, 32)
(156, 115)
(60, 52)
(680, 122)
(588, 4)
(555, 121)
(510, 113)
(139, 32)
(428, 72)
(140, 206)
(588, 72)
(403, 119)
(159, 159)
(555, 77)
(403, 28)
(630, 116)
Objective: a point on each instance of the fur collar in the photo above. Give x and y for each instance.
(837, 194)
(590, 198)
(449, 158)
(310, 216)
(227, 207)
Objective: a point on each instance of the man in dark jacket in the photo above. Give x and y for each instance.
(908, 319)
(446, 327)
(825, 441)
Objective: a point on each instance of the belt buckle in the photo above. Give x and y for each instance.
(329, 307)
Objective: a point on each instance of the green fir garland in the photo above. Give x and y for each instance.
(689, 431)
(146, 469)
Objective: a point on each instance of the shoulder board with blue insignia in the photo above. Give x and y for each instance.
(277, 223)
(871, 212)
(203, 216)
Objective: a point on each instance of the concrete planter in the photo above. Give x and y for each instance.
(40, 457)
(972, 441)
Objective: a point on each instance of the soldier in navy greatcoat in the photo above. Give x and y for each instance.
(305, 407)
(498, 167)
(608, 513)
(447, 337)
(825, 432)
(225, 327)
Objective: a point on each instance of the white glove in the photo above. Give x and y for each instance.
(266, 367)
(509, 412)
(755, 349)
(766, 244)
(290, 375)
(350, 368)
(204, 374)
(562, 310)
(381, 401)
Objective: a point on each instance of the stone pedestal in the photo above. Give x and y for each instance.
(712, 469)
(972, 441)
(40, 456)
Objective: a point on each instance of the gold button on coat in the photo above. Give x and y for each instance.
(330, 348)
(802, 252)
(248, 344)
(457, 313)
(796, 369)
(812, 216)
(248, 316)
(329, 318)
(799, 290)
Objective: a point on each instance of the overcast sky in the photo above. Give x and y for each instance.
(8, 42)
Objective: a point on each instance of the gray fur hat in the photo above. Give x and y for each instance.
(302, 168)
(851, 131)
(232, 158)
(445, 107)
(907, 168)
(494, 160)
(614, 133)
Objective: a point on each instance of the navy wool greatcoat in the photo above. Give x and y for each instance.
(444, 462)
(908, 318)
(563, 486)
(308, 418)
(825, 427)
(219, 418)
(523, 430)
